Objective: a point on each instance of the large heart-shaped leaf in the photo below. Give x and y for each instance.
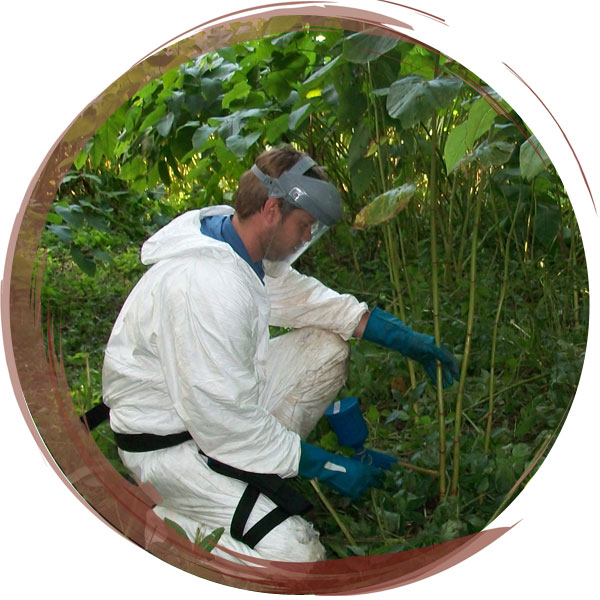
(320, 73)
(481, 118)
(489, 154)
(298, 115)
(364, 47)
(72, 215)
(413, 99)
(385, 206)
(360, 143)
(547, 222)
(64, 233)
(532, 158)
(201, 135)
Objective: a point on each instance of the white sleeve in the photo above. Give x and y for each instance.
(207, 346)
(299, 301)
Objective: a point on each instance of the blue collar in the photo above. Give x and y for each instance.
(220, 227)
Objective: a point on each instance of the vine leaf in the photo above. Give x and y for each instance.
(413, 99)
(385, 206)
(532, 158)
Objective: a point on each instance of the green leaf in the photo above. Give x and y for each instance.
(298, 115)
(101, 255)
(329, 442)
(395, 415)
(455, 147)
(277, 85)
(85, 264)
(132, 169)
(489, 154)
(165, 124)
(385, 206)
(207, 543)
(481, 118)
(80, 160)
(72, 215)
(364, 47)
(239, 144)
(360, 143)
(201, 135)
(239, 91)
(106, 136)
(532, 158)
(521, 450)
(450, 530)
(414, 99)
(547, 222)
(64, 233)
(494, 154)
(176, 527)
(163, 171)
(317, 76)
(53, 219)
(97, 222)
(362, 175)
(483, 485)
(154, 117)
(277, 127)
(211, 88)
(372, 414)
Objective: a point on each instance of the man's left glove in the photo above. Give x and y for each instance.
(388, 331)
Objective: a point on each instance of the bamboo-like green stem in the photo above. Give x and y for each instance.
(411, 467)
(404, 263)
(490, 413)
(391, 247)
(332, 512)
(463, 236)
(378, 516)
(572, 270)
(450, 255)
(465, 361)
(528, 231)
(394, 270)
(433, 197)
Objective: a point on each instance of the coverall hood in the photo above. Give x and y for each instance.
(180, 236)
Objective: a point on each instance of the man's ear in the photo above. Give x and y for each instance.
(271, 211)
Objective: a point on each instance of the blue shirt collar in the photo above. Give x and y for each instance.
(220, 227)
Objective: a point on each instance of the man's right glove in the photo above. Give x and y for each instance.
(346, 476)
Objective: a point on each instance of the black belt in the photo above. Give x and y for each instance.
(287, 500)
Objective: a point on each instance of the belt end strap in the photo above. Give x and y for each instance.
(288, 502)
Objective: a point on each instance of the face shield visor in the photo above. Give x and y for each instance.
(318, 198)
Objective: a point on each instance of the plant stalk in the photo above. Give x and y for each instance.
(490, 413)
(332, 512)
(465, 361)
(434, 197)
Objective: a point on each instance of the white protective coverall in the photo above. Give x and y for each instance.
(190, 350)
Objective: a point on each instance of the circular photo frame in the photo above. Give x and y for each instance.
(500, 218)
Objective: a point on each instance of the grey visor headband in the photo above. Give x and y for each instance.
(318, 198)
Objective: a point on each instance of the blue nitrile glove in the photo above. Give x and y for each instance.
(388, 331)
(346, 476)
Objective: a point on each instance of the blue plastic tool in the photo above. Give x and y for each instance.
(348, 424)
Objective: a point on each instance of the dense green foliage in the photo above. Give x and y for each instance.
(454, 220)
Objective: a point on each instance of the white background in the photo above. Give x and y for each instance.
(59, 56)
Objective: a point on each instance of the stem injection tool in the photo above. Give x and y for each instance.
(348, 424)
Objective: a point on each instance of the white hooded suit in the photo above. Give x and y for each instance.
(190, 351)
